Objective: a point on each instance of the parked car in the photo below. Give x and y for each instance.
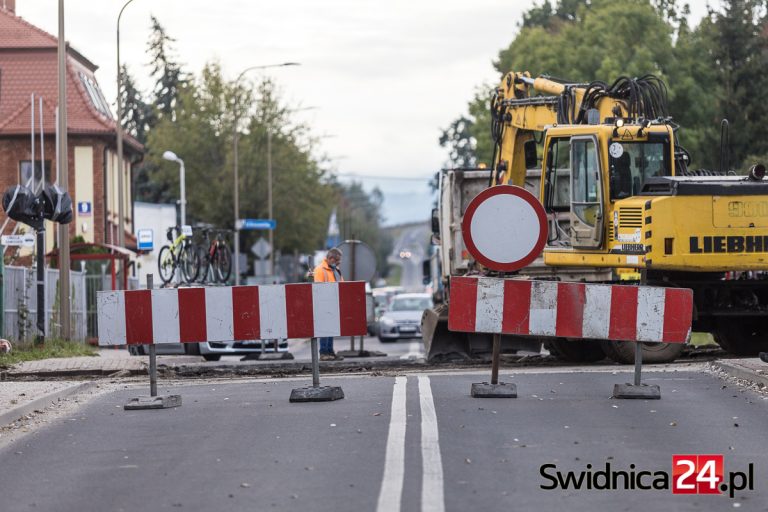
(402, 319)
(212, 350)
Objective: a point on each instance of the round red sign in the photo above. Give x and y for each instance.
(505, 228)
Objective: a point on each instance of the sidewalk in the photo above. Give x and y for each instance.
(106, 363)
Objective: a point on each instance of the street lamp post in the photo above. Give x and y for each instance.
(170, 155)
(119, 130)
(236, 173)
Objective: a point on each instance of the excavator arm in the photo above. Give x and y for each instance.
(523, 105)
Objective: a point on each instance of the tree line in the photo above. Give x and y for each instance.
(197, 116)
(717, 69)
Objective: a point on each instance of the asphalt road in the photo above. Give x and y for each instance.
(415, 442)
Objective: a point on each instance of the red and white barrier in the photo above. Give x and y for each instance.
(570, 310)
(188, 315)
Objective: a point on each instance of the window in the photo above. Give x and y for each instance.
(586, 180)
(631, 163)
(558, 173)
(25, 172)
(97, 98)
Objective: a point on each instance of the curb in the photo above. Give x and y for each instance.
(75, 373)
(41, 403)
(738, 371)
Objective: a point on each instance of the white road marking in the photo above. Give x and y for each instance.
(414, 351)
(391, 494)
(432, 495)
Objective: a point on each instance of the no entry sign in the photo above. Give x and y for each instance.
(504, 228)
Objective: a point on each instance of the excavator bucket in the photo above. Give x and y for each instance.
(440, 344)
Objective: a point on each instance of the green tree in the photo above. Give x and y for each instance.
(137, 116)
(201, 133)
(740, 56)
(169, 76)
(460, 142)
(360, 217)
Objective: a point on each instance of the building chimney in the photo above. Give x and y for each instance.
(9, 5)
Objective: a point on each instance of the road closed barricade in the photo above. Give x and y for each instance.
(572, 310)
(238, 313)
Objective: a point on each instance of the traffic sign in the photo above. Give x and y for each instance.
(504, 228)
(261, 248)
(267, 224)
(359, 255)
(145, 239)
(27, 240)
(84, 208)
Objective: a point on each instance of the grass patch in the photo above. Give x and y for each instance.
(29, 351)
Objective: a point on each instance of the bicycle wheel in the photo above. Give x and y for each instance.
(223, 263)
(166, 264)
(189, 261)
(202, 254)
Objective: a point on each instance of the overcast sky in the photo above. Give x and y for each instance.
(384, 76)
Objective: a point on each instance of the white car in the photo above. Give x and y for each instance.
(402, 319)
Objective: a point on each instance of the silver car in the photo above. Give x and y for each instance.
(402, 319)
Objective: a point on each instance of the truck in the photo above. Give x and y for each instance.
(623, 206)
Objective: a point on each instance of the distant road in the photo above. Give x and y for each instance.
(413, 241)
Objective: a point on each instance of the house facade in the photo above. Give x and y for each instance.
(29, 78)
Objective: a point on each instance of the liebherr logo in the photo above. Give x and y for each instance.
(690, 474)
(724, 244)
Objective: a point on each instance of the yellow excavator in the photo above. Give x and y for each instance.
(622, 205)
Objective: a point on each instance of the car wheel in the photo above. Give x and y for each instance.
(387, 340)
(211, 357)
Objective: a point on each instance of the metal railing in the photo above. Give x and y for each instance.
(20, 304)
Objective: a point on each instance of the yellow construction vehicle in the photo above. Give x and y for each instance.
(620, 198)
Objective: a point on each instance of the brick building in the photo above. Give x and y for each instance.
(29, 66)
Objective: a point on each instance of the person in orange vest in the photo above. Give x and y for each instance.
(328, 271)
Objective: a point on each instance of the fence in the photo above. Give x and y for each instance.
(95, 283)
(20, 303)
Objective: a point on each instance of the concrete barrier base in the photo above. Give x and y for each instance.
(500, 390)
(317, 394)
(153, 402)
(641, 392)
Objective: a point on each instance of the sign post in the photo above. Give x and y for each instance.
(505, 229)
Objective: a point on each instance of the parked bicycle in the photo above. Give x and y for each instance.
(180, 254)
(215, 256)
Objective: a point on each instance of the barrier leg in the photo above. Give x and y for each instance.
(495, 389)
(276, 354)
(362, 352)
(153, 401)
(637, 390)
(316, 393)
(152, 370)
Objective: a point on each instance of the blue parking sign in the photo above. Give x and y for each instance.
(84, 208)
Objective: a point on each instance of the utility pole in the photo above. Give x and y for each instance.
(62, 169)
(269, 201)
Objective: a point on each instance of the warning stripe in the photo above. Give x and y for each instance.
(570, 310)
(189, 315)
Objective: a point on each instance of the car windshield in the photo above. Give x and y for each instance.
(411, 304)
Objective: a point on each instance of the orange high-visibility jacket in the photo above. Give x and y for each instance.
(324, 273)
